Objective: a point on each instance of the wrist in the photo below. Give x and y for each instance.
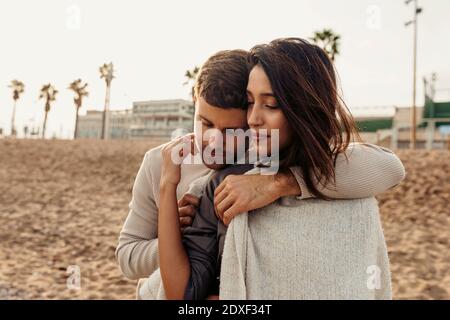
(167, 185)
(285, 184)
(277, 182)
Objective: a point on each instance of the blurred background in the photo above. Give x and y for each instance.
(87, 87)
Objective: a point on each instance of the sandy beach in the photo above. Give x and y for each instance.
(62, 203)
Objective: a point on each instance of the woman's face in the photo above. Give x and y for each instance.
(264, 112)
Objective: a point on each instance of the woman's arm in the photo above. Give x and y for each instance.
(174, 263)
(363, 170)
(189, 263)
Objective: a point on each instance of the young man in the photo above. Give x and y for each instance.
(220, 103)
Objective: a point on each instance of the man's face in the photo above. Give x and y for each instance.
(211, 121)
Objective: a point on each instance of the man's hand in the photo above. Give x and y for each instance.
(186, 209)
(242, 193)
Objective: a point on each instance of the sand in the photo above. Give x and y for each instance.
(62, 203)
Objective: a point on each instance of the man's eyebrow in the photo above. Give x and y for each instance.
(204, 118)
(233, 128)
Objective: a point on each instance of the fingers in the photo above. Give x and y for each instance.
(186, 211)
(224, 205)
(185, 222)
(188, 144)
(182, 146)
(188, 199)
(230, 214)
(220, 198)
(220, 188)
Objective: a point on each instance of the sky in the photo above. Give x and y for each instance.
(153, 43)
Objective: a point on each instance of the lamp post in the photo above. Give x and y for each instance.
(417, 11)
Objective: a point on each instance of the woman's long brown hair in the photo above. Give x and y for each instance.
(303, 80)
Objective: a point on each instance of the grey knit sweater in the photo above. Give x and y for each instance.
(310, 249)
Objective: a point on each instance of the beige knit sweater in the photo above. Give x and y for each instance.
(369, 171)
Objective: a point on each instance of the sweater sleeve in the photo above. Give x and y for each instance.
(204, 240)
(365, 170)
(137, 250)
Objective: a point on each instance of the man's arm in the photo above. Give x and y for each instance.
(137, 250)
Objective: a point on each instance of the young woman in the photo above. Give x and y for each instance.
(292, 88)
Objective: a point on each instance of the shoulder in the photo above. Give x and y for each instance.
(365, 146)
(154, 154)
(153, 160)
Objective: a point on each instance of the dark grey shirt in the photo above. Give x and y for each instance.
(204, 240)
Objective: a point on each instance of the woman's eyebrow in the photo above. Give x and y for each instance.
(267, 94)
(264, 94)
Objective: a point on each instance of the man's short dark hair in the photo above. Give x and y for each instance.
(222, 80)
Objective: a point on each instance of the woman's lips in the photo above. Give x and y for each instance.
(258, 137)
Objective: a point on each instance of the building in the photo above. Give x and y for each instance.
(159, 118)
(154, 118)
(394, 131)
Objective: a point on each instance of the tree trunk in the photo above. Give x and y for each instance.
(75, 133)
(13, 119)
(44, 125)
(105, 119)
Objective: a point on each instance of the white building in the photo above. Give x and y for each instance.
(159, 118)
(154, 118)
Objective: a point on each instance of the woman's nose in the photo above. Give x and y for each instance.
(254, 117)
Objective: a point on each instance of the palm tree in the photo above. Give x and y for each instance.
(48, 92)
(18, 88)
(80, 92)
(107, 73)
(191, 75)
(329, 41)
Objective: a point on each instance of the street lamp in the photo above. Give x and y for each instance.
(417, 11)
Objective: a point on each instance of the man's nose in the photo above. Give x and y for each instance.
(215, 139)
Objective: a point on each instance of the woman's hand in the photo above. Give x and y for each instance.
(242, 193)
(173, 155)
